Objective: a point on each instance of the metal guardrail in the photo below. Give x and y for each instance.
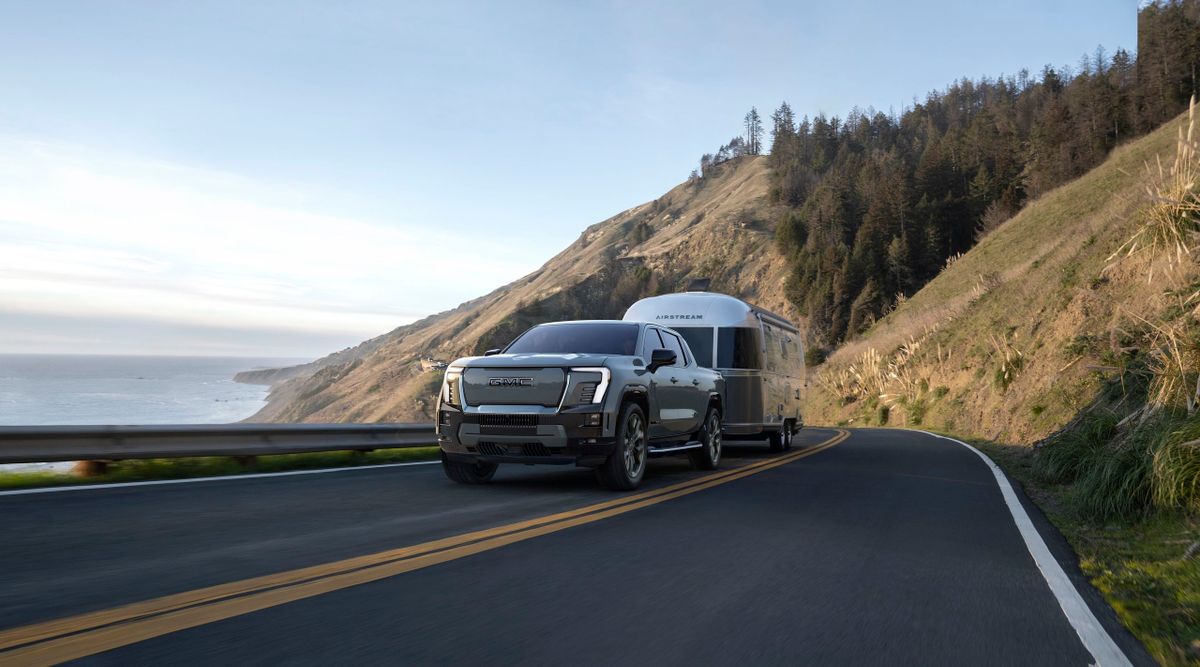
(35, 444)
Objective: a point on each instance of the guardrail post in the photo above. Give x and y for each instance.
(246, 461)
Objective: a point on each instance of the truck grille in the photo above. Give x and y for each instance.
(528, 421)
(505, 424)
(522, 449)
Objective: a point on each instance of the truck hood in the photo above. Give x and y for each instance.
(532, 361)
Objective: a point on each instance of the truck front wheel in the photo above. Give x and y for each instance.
(624, 469)
(468, 473)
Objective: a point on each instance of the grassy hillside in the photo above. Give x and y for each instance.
(1012, 339)
(1075, 366)
(718, 227)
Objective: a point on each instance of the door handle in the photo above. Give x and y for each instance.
(674, 380)
(696, 383)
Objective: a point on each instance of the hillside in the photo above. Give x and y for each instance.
(1011, 340)
(718, 227)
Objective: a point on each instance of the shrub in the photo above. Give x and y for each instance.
(940, 391)
(1174, 366)
(814, 356)
(1011, 361)
(882, 414)
(1124, 474)
(1116, 481)
(1177, 469)
(1058, 461)
(1170, 221)
(915, 412)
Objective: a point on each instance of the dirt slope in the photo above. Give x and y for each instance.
(720, 227)
(1018, 335)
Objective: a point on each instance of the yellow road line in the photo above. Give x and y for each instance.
(86, 634)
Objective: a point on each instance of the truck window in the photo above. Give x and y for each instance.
(700, 341)
(673, 344)
(739, 347)
(577, 338)
(651, 343)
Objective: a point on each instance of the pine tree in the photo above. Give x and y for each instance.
(754, 130)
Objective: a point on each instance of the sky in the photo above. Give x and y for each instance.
(286, 179)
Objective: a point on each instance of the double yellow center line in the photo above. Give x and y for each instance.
(56, 641)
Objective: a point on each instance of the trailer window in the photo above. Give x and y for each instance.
(738, 347)
(700, 341)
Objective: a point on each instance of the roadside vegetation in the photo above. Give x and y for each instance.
(1085, 346)
(213, 466)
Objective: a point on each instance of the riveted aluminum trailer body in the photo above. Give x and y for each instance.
(760, 354)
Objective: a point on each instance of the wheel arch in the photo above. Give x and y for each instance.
(637, 394)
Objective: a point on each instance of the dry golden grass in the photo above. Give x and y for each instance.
(1174, 366)
(1170, 220)
(1013, 334)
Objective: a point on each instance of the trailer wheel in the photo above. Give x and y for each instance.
(776, 438)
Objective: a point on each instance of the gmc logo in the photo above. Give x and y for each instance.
(510, 382)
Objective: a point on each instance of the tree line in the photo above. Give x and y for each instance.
(874, 204)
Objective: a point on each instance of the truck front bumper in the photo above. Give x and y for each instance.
(492, 435)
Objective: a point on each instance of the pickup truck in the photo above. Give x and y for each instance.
(600, 394)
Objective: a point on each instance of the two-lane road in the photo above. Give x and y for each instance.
(865, 547)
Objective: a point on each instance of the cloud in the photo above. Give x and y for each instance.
(94, 235)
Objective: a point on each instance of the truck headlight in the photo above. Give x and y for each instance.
(587, 386)
(452, 386)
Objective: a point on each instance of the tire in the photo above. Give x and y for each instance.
(708, 457)
(468, 473)
(788, 432)
(626, 467)
(776, 438)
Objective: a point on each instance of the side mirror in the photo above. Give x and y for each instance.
(492, 352)
(660, 358)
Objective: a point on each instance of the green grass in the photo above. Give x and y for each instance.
(1134, 557)
(1129, 473)
(211, 466)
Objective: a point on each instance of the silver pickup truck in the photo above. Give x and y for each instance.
(600, 394)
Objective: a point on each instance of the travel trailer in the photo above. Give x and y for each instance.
(760, 354)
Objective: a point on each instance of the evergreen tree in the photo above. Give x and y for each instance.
(872, 205)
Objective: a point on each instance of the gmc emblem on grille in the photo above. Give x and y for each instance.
(510, 382)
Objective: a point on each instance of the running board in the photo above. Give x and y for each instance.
(681, 448)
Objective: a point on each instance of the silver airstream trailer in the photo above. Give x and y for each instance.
(760, 354)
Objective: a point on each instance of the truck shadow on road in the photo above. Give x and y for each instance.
(660, 472)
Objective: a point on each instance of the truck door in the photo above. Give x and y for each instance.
(657, 428)
(677, 393)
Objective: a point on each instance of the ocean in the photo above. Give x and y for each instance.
(39, 390)
(71, 389)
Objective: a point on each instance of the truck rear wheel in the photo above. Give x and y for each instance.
(624, 469)
(468, 473)
(708, 456)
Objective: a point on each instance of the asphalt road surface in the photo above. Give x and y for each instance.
(873, 547)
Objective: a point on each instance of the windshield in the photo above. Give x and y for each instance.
(583, 338)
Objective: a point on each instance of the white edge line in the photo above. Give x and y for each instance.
(1095, 638)
(196, 480)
